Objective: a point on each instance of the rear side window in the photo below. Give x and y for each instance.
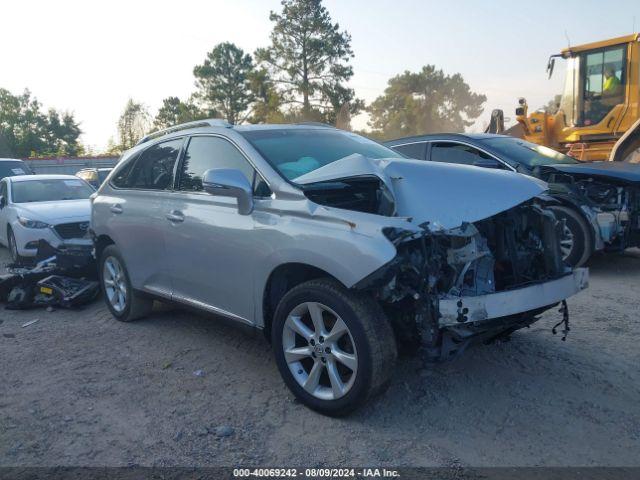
(204, 153)
(412, 150)
(121, 178)
(152, 170)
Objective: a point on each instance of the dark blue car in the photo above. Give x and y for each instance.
(598, 201)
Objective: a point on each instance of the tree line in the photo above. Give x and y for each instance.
(303, 75)
(26, 130)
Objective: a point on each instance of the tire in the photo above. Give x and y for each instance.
(124, 303)
(362, 356)
(576, 246)
(12, 245)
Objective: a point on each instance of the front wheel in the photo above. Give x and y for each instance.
(575, 243)
(13, 247)
(334, 348)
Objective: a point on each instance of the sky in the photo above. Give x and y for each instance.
(90, 57)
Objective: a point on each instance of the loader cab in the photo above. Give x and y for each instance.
(595, 86)
(600, 100)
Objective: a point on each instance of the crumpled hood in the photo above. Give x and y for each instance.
(57, 212)
(628, 172)
(442, 194)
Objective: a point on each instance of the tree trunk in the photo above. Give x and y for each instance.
(306, 107)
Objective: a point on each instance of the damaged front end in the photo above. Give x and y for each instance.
(610, 202)
(477, 258)
(447, 289)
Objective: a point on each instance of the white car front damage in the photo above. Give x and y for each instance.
(481, 260)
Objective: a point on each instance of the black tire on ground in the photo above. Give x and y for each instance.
(372, 335)
(136, 305)
(13, 247)
(582, 247)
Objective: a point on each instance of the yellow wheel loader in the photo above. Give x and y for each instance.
(598, 116)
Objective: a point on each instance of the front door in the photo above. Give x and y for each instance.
(211, 248)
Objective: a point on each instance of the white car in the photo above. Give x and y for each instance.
(54, 208)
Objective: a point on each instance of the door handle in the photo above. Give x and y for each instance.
(175, 216)
(116, 208)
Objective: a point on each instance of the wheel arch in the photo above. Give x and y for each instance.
(282, 279)
(100, 243)
(565, 201)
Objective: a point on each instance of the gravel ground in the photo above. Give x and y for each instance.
(79, 388)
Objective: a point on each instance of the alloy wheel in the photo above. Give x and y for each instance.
(320, 351)
(115, 285)
(566, 242)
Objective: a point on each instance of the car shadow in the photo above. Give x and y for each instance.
(618, 263)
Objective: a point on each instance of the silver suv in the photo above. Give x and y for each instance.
(340, 249)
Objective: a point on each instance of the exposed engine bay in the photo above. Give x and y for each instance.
(476, 282)
(438, 275)
(613, 204)
(362, 194)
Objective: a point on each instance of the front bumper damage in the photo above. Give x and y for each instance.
(456, 310)
(475, 283)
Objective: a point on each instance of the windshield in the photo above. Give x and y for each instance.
(295, 152)
(49, 190)
(11, 169)
(520, 152)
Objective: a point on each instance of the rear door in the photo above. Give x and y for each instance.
(136, 208)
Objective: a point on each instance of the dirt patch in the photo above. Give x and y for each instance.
(79, 388)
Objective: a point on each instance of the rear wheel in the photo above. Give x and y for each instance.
(575, 243)
(333, 347)
(123, 301)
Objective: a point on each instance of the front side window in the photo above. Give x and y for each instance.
(152, 170)
(205, 153)
(294, 152)
(448, 152)
(603, 80)
(52, 190)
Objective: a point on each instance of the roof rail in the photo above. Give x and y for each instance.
(209, 122)
(316, 124)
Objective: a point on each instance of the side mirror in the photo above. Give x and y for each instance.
(550, 65)
(3, 202)
(229, 182)
(487, 163)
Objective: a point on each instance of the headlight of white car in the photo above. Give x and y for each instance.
(25, 222)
